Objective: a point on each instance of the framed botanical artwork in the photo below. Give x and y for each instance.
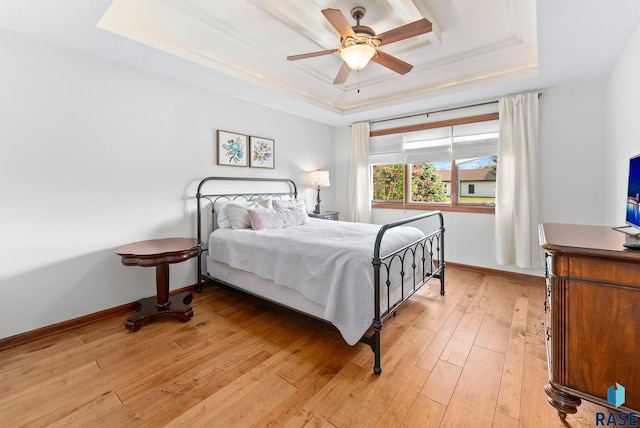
(263, 152)
(232, 149)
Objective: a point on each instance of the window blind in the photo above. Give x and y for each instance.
(469, 140)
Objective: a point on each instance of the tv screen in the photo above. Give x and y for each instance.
(633, 192)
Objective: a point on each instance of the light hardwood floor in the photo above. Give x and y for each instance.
(472, 358)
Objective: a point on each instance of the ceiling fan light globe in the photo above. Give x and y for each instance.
(357, 56)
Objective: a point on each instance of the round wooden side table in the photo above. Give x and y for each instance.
(160, 253)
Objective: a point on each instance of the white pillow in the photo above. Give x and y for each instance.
(289, 204)
(222, 216)
(277, 218)
(237, 213)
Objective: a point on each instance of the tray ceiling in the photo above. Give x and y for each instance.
(478, 51)
(472, 42)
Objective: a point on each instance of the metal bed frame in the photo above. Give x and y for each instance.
(426, 253)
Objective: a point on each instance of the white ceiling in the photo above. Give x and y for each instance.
(479, 50)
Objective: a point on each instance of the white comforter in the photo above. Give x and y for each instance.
(329, 262)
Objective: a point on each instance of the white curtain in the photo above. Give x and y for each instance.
(517, 183)
(359, 175)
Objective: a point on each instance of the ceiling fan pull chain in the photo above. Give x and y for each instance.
(358, 80)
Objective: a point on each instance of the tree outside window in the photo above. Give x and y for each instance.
(427, 184)
(388, 182)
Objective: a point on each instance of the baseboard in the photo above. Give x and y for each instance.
(516, 276)
(30, 336)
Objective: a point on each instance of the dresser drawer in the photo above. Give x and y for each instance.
(606, 272)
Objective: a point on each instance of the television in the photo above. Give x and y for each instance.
(633, 193)
(632, 212)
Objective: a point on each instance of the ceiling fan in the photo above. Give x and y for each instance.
(360, 43)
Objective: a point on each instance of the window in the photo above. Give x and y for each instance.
(442, 167)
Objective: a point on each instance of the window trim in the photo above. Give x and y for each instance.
(454, 206)
(428, 206)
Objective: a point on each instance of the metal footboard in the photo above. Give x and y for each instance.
(425, 258)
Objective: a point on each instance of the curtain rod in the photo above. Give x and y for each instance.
(434, 111)
(439, 111)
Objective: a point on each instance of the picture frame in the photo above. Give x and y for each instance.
(232, 149)
(262, 152)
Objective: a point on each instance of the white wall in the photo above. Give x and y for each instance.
(95, 155)
(624, 139)
(481, 189)
(572, 140)
(573, 123)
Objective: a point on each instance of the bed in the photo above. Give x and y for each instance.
(352, 275)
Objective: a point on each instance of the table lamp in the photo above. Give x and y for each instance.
(319, 179)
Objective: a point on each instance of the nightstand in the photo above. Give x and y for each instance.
(326, 215)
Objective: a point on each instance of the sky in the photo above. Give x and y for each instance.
(470, 164)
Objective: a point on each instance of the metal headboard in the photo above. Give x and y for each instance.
(213, 197)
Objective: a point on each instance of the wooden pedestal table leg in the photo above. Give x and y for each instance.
(151, 307)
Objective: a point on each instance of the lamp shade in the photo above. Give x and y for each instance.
(357, 56)
(319, 179)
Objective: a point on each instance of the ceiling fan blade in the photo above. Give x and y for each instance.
(404, 32)
(343, 74)
(311, 54)
(392, 63)
(339, 22)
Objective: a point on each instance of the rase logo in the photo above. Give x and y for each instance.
(616, 397)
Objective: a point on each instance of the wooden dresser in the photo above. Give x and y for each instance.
(592, 315)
